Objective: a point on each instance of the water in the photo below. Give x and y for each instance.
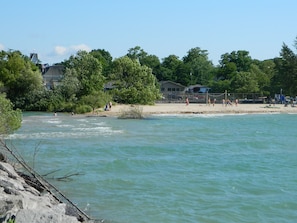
(175, 168)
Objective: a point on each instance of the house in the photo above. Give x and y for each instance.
(52, 75)
(171, 90)
(34, 58)
(170, 87)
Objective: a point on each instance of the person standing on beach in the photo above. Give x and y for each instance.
(187, 101)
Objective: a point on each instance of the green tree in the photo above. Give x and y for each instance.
(70, 85)
(151, 61)
(286, 67)
(88, 70)
(238, 70)
(169, 68)
(10, 120)
(200, 67)
(105, 58)
(96, 99)
(137, 53)
(19, 76)
(135, 84)
(261, 78)
(244, 82)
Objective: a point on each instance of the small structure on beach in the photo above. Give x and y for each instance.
(197, 88)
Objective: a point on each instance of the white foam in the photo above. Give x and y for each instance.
(79, 132)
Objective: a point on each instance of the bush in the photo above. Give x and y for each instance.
(134, 112)
(81, 109)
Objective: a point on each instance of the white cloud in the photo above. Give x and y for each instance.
(2, 47)
(68, 50)
(61, 53)
(60, 50)
(81, 47)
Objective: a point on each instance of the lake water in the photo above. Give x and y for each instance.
(174, 168)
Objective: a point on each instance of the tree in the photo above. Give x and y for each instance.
(286, 68)
(88, 70)
(244, 82)
(200, 67)
(151, 61)
(104, 58)
(169, 68)
(135, 84)
(96, 99)
(238, 70)
(262, 79)
(10, 120)
(19, 76)
(70, 85)
(137, 53)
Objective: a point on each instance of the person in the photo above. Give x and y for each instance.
(213, 102)
(229, 102)
(110, 104)
(106, 108)
(236, 101)
(187, 101)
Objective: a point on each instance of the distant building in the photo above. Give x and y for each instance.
(51, 75)
(197, 88)
(34, 58)
(170, 87)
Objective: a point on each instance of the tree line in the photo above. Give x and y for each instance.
(135, 76)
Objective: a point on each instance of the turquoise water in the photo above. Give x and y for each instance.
(194, 168)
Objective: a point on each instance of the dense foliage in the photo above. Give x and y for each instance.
(134, 77)
(133, 83)
(10, 120)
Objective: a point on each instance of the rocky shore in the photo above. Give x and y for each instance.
(22, 203)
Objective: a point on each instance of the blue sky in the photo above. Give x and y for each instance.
(57, 29)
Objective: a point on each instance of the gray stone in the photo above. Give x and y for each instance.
(26, 203)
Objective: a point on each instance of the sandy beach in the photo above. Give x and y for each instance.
(182, 108)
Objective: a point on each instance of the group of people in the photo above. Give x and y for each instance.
(108, 106)
(229, 102)
(224, 102)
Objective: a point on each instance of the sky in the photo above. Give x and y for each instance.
(57, 29)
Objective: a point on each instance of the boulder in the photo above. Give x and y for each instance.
(25, 204)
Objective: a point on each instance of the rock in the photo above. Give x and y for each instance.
(26, 204)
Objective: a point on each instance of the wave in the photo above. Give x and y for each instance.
(83, 133)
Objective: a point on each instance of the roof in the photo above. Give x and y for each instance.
(171, 82)
(55, 70)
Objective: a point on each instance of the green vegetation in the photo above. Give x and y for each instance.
(10, 120)
(133, 78)
(133, 112)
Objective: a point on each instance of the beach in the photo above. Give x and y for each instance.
(182, 108)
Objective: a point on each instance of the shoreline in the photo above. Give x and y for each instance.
(182, 108)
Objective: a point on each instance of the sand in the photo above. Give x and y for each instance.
(182, 108)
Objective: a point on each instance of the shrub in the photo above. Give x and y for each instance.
(134, 112)
(81, 109)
